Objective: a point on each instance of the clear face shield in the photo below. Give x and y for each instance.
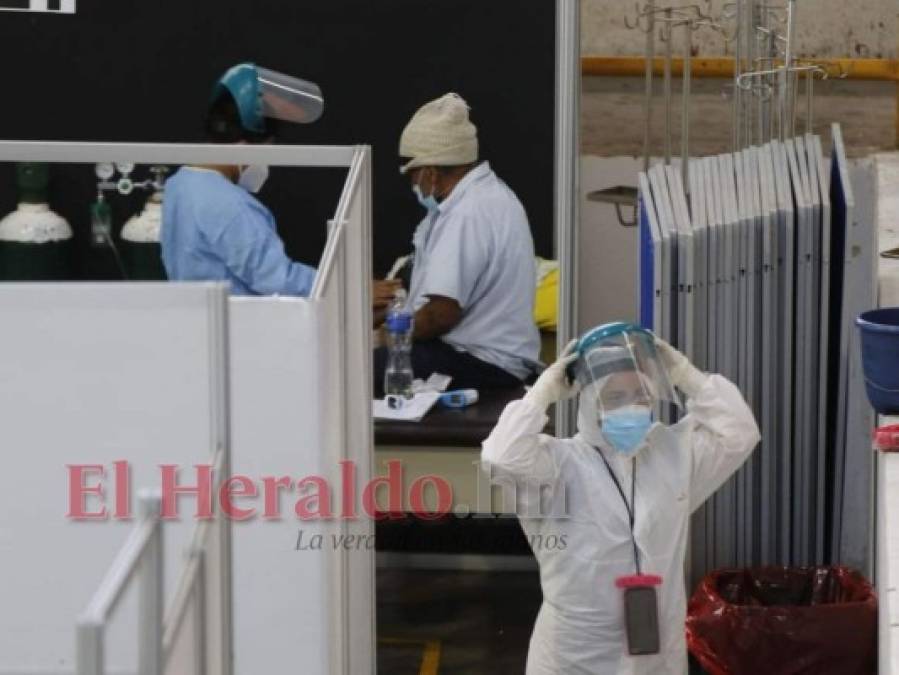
(288, 98)
(261, 93)
(624, 382)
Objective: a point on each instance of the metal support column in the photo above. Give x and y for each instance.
(567, 193)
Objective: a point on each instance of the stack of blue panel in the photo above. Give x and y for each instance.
(756, 269)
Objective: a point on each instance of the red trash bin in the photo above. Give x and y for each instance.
(784, 621)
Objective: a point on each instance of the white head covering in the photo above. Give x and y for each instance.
(588, 417)
(440, 134)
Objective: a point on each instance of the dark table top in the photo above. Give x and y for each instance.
(446, 427)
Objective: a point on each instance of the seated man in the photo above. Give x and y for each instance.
(473, 277)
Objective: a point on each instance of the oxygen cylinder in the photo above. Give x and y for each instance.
(140, 242)
(35, 242)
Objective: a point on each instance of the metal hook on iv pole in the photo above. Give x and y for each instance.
(665, 36)
(649, 93)
(646, 14)
(685, 104)
(745, 78)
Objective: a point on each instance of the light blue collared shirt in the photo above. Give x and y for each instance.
(478, 250)
(214, 230)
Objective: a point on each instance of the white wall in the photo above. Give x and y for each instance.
(827, 28)
(608, 252)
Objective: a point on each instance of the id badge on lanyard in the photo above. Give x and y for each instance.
(641, 601)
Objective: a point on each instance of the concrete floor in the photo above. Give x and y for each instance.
(482, 620)
(612, 116)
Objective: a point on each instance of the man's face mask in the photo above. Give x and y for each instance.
(429, 202)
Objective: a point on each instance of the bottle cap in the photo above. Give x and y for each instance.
(399, 322)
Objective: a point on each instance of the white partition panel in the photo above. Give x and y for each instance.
(859, 294)
(278, 429)
(825, 343)
(93, 374)
(301, 377)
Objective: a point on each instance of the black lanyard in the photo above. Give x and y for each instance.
(632, 506)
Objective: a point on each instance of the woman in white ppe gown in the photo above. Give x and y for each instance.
(580, 628)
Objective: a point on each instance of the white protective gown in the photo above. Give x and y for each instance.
(580, 627)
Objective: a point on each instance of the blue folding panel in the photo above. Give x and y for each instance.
(648, 288)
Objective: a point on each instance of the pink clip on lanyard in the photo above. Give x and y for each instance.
(886, 439)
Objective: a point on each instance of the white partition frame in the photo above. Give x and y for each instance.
(854, 506)
(567, 183)
(343, 283)
(99, 373)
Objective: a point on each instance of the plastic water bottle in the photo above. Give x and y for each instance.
(398, 376)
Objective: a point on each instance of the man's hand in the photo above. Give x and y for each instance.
(383, 292)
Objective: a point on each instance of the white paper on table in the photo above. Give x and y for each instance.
(436, 382)
(413, 410)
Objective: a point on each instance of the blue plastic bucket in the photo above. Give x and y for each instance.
(880, 357)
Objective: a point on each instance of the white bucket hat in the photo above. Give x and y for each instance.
(440, 134)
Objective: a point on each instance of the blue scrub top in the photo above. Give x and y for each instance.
(214, 230)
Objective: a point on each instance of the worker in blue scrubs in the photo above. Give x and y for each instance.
(213, 228)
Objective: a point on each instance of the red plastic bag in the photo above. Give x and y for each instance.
(784, 621)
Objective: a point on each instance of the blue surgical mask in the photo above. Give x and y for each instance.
(430, 202)
(626, 428)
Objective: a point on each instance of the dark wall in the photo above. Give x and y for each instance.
(141, 70)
